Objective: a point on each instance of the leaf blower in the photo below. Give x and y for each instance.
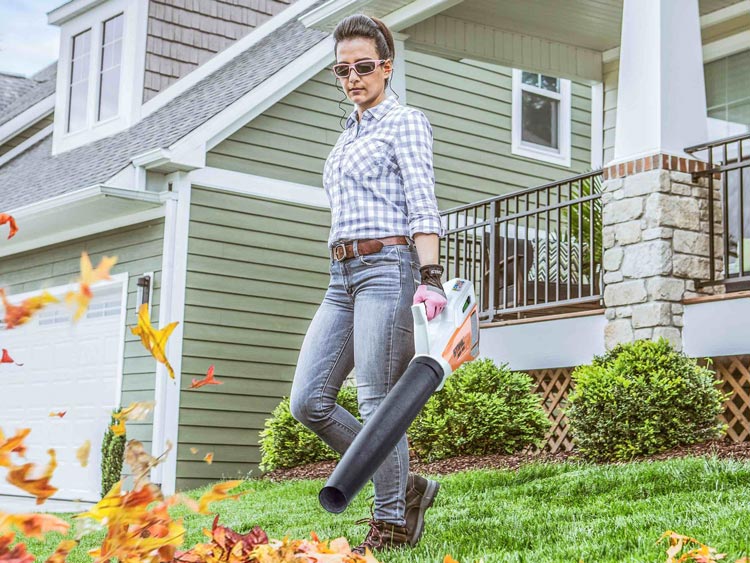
(441, 346)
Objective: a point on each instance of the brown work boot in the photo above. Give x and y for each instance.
(420, 494)
(382, 535)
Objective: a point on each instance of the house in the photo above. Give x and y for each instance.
(188, 138)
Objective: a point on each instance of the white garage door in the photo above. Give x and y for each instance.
(67, 367)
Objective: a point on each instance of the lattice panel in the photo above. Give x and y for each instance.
(554, 385)
(734, 372)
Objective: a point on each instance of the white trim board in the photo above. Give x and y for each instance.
(249, 184)
(26, 118)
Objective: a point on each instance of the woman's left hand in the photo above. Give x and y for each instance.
(433, 298)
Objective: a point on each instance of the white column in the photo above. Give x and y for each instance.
(399, 67)
(661, 97)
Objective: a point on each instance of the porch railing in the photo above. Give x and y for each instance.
(532, 252)
(728, 174)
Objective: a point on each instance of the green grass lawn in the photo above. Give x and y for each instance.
(539, 513)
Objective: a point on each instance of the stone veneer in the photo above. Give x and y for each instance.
(656, 245)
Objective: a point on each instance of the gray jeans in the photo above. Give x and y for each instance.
(364, 320)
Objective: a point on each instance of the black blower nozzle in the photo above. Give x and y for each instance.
(381, 433)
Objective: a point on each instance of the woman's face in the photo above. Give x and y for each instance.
(368, 90)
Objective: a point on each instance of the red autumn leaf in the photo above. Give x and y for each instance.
(208, 380)
(39, 487)
(60, 413)
(6, 359)
(16, 555)
(5, 218)
(18, 314)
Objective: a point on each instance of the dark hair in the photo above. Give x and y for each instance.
(360, 25)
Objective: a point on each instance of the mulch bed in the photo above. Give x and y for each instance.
(323, 469)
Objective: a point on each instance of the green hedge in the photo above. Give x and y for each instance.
(642, 398)
(482, 409)
(285, 442)
(113, 453)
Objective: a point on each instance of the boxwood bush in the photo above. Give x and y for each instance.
(642, 398)
(482, 409)
(286, 442)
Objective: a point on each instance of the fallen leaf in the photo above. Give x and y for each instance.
(60, 413)
(5, 218)
(193, 450)
(141, 462)
(118, 427)
(209, 458)
(89, 276)
(16, 555)
(82, 453)
(208, 380)
(6, 359)
(16, 315)
(39, 487)
(155, 341)
(61, 551)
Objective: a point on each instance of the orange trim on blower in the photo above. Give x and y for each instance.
(458, 349)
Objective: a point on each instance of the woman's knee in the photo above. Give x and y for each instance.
(309, 410)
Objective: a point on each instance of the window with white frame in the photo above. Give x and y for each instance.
(541, 117)
(106, 58)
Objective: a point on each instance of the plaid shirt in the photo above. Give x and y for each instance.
(379, 178)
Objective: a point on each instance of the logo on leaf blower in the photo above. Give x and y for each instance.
(459, 349)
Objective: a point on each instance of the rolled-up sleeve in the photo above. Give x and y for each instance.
(413, 150)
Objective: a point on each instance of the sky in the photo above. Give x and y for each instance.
(27, 42)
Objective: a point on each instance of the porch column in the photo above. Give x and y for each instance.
(655, 218)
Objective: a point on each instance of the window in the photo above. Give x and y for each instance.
(728, 95)
(79, 81)
(109, 69)
(106, 81)
(541, 117)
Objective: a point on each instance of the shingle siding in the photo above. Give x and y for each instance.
(183, 34)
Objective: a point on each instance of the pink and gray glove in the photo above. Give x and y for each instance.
(430, 292)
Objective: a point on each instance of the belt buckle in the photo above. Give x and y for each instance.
(336, 249)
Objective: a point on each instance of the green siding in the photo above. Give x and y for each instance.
(256, 273)
(468, 105)
(138, 249)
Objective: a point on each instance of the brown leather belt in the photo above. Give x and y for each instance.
(344, 250)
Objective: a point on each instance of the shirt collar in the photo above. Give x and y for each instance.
(376, 112)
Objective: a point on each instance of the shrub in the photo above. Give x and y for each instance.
(642, 398)
(113, 453)
(286, 442)
(482, 409)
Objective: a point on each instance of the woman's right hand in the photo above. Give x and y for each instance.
(433, 298)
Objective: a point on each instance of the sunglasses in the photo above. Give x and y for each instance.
(342, 70)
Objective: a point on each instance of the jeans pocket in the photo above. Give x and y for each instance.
(388, 255)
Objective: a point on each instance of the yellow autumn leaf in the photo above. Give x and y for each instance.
(155, 341)
(82, 453)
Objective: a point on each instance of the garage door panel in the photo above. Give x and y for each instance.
(67, 367)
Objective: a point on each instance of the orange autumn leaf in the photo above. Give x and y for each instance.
(16, 315)
(118, 428)
(33, 525)
(209, 458)
(220, 491)
(39, 487)
(6, 359)
(61, 551)
(13, 444)
(5, 218)
(60, 413)
(82, 453)
(155, 341)
(449, 559)
(89, 276)
(17, 554)
(208, 380)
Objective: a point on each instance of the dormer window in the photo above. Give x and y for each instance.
(99, 89)
(107, 79)
(109, 69)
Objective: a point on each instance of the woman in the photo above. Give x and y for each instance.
(384, 225)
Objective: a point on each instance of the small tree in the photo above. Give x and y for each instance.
(113, 454)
